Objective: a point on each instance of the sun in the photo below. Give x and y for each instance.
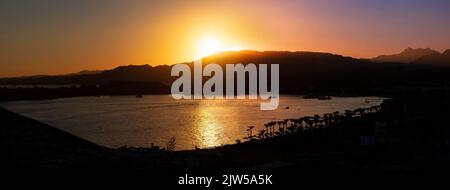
(209, 46)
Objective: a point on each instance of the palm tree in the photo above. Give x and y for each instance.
(261, 134)
(327, 118)
(300, 124)
(348, 114)
(271, 124)
(271, 128)
(308, 122)
(316, 119)
(293, 125)
(267, 126)
(336, 116)
(360, 112)
(250, 132)
(285, 125)
(279, 125)
(372, 109)
(293, 122)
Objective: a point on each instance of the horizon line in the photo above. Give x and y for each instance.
(244, 50)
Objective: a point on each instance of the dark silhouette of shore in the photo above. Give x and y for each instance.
(26, 143)
(400, 135)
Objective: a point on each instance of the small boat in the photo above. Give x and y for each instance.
(309, 97)
(324, 98)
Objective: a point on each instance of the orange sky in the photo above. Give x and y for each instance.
(55, 37)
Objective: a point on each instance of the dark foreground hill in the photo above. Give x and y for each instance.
(26, 143)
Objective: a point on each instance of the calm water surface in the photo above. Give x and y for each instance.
(130, 121)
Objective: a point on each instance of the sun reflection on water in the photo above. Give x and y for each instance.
(209, 128)
(127, 121)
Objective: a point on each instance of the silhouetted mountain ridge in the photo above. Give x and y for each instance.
(85, 72)
(147, 73)
(138, 73)
(300, 72)
(408, 55)
(442, 60)
(142, 73)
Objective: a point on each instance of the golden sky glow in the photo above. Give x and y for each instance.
(56, 37)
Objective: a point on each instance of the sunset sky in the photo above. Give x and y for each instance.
(55, 37)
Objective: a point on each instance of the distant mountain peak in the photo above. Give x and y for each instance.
(446, 52)
(438, 59)
(419, 51)
(408, 55)
(146, 66)
(417, 56)
(85, 72)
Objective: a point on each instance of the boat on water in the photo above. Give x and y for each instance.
(317, 97)
(324, 98)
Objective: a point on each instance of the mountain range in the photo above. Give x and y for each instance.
(159, 73)
(300, 73)
(417, 56)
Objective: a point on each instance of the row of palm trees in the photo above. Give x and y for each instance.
(294, 126)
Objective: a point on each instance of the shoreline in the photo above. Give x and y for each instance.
(318, 96)
(53, 113)
(334, 148)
